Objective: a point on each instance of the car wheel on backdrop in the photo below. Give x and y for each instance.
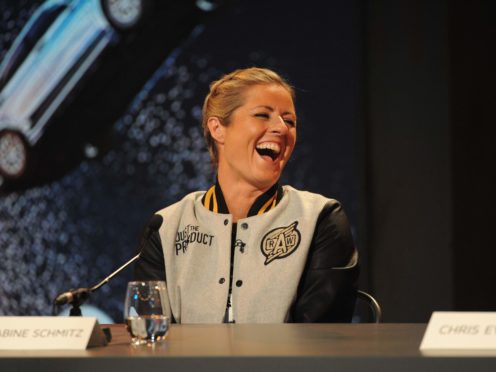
(125, 15)
(14, 155)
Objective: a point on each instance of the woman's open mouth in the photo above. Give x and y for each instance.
(269, 149)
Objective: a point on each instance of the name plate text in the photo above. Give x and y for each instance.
(49, 333)
(452, 330)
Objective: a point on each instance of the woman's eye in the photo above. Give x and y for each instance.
(290, 122)
(262, 115)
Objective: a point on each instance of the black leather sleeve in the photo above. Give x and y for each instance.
(327, 288)
(150, 265)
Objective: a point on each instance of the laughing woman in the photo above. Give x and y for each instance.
(249, 250)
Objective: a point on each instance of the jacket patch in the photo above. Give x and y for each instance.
(191, 234)
(280, 242)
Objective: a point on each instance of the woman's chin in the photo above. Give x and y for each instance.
(265, 180)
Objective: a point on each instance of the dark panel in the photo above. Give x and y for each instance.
(409, 158)
(473, 35)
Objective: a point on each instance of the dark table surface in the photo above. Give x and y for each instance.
(271, 347)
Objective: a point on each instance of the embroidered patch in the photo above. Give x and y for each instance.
(280, 242)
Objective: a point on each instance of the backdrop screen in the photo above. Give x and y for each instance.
(100, 124)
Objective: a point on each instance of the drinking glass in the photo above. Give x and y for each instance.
(145, 312)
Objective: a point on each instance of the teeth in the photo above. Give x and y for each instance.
(274, 147)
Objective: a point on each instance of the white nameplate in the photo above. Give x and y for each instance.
(460, 331)
(49, 333)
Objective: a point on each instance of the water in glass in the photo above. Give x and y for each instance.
(145, 312)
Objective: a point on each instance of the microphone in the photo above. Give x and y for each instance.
(155, 222)
(78, 296)
(73, 296)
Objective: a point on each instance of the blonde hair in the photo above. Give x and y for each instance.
(227, 94)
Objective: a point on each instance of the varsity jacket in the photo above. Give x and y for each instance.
(291, 260)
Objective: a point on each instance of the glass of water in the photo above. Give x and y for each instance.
(145, 312)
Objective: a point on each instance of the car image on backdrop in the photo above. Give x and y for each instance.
(47, 69)
(145, 92)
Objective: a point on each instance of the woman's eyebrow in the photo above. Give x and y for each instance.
(271, 109)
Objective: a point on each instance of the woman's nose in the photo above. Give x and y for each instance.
(279, 125)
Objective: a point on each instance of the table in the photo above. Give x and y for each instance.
(271, 347)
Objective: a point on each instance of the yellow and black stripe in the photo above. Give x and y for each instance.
(214, 200)
(210, 200)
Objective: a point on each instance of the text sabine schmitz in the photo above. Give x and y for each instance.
(41, 333)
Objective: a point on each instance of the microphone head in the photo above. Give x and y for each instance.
(77, 296)
(155, 222)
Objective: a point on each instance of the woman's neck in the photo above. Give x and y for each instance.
(239, 196)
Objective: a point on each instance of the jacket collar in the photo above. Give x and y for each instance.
(214, 200)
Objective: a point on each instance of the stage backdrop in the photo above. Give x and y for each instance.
(109, 112)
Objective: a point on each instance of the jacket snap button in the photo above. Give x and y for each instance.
(244, 225)
(226, 221)
(239, 283)
(222, 280)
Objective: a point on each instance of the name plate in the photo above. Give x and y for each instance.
(49, 333)
(460, 331)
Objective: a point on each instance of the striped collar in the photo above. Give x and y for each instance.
(214, 200)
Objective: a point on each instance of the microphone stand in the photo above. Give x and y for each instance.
(77, 297)
(80, 295)
(106, 280)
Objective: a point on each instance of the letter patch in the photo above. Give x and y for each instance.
(280, 242)
(190, 235)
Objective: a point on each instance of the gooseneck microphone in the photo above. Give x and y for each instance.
(77, 296)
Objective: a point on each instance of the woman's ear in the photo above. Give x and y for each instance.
(217, 130)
